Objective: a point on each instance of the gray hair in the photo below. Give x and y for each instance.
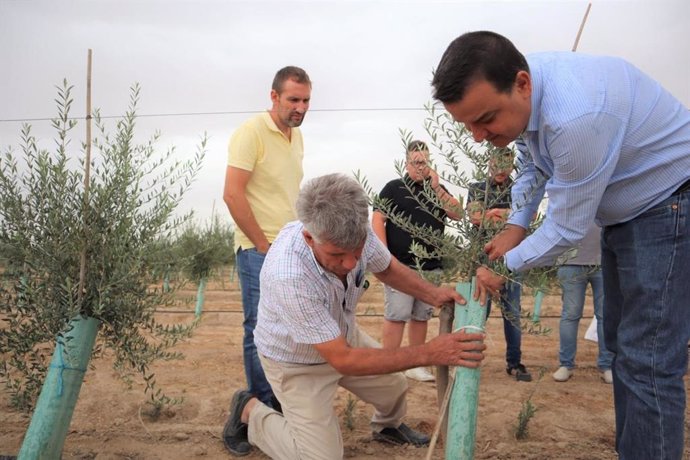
(335, 209)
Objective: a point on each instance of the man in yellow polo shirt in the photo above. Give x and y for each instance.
(261, 187)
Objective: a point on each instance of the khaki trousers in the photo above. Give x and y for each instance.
(309, 428)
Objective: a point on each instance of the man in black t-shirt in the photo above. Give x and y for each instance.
(400, 195)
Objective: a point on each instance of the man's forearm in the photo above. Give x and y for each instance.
(375, 361)
(455, 349)
(451, 205)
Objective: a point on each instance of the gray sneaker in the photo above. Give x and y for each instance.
(607, 376)
(562, 374)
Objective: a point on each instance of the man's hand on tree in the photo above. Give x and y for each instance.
(506, 240)
(488, 284)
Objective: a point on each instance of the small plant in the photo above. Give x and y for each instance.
(349, 412)
(527, 411)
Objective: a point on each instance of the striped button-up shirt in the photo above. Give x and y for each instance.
(302, 304)
(603, 140)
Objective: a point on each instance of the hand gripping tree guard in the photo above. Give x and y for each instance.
(462, 413)
(50, 421)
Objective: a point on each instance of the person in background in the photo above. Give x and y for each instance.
(488, 206)
(608, 143)
(261, 186)
(309, 342)
(577, 268)
(407, 198)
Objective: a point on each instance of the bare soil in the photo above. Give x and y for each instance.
(574, 420)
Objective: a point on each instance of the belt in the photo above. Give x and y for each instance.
(684, 187)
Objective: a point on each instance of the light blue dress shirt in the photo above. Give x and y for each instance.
(604, 141)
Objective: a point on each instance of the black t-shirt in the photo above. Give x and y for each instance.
(498, 196)
(402, 202)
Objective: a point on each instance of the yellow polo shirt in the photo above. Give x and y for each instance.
(276, 165)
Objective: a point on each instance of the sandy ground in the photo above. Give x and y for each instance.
(574, 420)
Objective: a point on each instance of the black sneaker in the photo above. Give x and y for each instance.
(401, 435)
(235, 432)
(520, 372)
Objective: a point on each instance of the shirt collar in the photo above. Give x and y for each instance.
(269, 122)
(535, 114)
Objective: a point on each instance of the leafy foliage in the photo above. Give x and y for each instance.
(201, 250)
(461, 246)
(48, 219)
(349, 412)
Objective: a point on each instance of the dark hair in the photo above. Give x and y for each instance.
(289, 73)
(473, 56)
(416, 146)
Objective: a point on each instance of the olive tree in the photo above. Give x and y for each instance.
(47, 220)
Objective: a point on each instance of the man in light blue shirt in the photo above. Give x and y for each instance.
(609, 144)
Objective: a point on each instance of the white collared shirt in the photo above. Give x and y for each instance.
(301, 304)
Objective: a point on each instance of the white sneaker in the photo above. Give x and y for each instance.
(607, 376)
(562, 374)
(420, 374)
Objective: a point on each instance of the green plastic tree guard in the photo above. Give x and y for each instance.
(538, 299)
(462, 413)
(200, 297)
(50, 421)
(166, 282)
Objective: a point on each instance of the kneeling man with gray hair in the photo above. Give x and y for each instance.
(309, 343)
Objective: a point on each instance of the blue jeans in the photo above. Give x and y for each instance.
(510, 311)
(646, 263)
(249, 263)
(574, 279)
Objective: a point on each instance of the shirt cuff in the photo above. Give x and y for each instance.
(512, 260)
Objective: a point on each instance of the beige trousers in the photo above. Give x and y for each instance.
(309, 428)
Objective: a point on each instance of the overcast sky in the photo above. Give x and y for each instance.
(370, 64)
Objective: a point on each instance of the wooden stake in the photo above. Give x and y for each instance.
(442, 421)
(582, 26)
(445, 316)
(87, 177)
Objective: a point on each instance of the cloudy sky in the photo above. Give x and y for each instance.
(205, 66)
